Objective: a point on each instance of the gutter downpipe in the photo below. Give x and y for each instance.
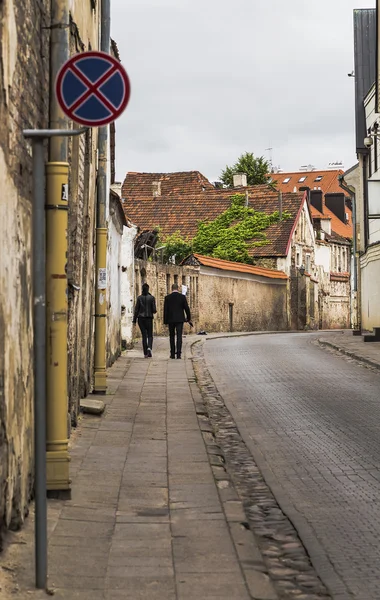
(57, 205)
(100, 372)
(353, 198)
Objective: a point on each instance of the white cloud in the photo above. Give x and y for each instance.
(214, 78)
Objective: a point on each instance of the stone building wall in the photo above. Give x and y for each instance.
(24, 98)
(230, 301)
(84, 34)
(218, 301)
(160, 279)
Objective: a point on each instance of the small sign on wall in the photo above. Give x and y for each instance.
(184, 290)
(102, 279)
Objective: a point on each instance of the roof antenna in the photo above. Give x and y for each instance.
(270, 150)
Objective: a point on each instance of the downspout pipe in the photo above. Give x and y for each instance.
(56, 213)
(59, 54)
(352, 194)
(100, 370)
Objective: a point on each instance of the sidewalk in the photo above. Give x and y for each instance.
(151, 517)
(353, 346)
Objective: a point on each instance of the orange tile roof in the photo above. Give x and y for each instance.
(328, 184)
(227, 265)
(344, 230)
(188, 198)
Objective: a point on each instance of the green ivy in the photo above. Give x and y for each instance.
(230, 236)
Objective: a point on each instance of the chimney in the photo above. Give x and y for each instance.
(305, 189)
(280, 204)
(316, 199)
(240, 180)
(156, 185)
(337, 204)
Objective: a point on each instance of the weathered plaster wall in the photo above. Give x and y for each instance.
(23, 104)
(241, 302)
(127, 284)
(114, 258)
(370, 287)
(256, 302)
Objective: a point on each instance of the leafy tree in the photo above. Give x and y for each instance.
(176, 247)
(256, 169)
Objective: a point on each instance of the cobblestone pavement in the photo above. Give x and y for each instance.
(311, 419)
(153, 514)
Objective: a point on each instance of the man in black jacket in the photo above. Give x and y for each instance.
(144, 310)
(175, 309)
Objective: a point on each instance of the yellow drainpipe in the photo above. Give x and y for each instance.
(57, 178)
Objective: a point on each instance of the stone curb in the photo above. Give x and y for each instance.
(318, 556)
(362, 359)
(248, 553)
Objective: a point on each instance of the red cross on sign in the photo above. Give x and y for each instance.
(93, 89)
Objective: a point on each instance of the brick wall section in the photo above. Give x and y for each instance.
(23, 104)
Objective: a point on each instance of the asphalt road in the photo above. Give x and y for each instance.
(312, 418)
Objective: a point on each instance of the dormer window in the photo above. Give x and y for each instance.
(319, 178)
(286, 180)
(301, 179)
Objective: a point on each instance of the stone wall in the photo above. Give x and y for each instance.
(24, 101)
(231, 301)
(218, 301)
(84, 32)
(160, 279)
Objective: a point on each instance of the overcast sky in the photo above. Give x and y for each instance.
(212, 79)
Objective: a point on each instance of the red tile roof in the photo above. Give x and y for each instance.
(329, 182)
(227, 265)
(344, 230)
(140, 185)
(188, 198)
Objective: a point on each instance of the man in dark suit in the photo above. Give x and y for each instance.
(176, 313)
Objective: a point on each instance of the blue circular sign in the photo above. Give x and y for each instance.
(93, 88)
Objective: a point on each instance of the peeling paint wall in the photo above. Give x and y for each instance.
(114, 258)
(23, 104)
(231, 301)
(127, 284)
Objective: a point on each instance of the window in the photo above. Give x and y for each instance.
(307, 266)
(286, 180)
(168, 283)
(319, 178)
(301, 179)
(298, 263)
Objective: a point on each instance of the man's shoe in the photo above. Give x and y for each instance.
(172, 356)
(179, 357)
(149, 353)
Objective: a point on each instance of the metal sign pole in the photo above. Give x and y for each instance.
(39, 302)
(39, 344)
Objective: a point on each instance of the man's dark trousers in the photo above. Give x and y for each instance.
(146, 328)
(175, 328)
